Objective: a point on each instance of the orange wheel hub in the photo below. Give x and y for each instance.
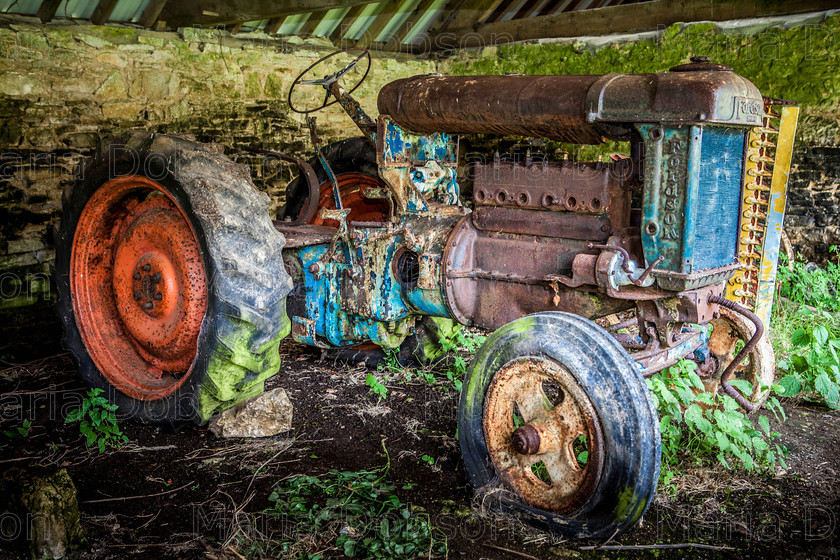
(351, 186)
(139, 287)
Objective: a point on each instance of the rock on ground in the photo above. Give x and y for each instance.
(40, 512)
(262, 416)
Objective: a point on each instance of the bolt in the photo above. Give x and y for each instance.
(158, 296)
(147, 267)
(526, 440)
(137, 295)
(136, 276)
(156, 278)
(148, 305)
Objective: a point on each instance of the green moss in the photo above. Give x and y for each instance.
(239, 370)
(799, 64)
(253, 88)
(120, 34)
(274, 86)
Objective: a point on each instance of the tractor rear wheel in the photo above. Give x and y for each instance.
(171, 279)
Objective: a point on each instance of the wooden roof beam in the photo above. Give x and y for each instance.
(311, 23)
(368, 38)
(222, 12)
(152, 13)
(346, 24)
(47, 9)
(415, 17)
(103, 11)
(637, 17)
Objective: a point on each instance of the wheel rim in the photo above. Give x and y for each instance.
(139, 287)
(759, 366)
(351, 186)
(555, 414)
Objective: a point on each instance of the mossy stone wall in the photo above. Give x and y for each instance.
(65, 87)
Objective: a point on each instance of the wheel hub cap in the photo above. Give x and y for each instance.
(537, 423)
(139, 288)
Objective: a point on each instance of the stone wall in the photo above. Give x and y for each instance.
(813, 210)
(64, 87)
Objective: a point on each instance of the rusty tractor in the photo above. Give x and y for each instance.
(176, 286)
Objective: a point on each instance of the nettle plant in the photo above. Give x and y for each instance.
(813, 366)
(809, 329)
(98, 423)
(704, 427)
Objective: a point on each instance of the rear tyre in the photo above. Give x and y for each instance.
(170, 279)
(557, 426)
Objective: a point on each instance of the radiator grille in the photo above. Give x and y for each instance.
(719, 197)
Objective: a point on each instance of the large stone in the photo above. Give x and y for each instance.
(265, 415)
(41, 510)
(112, 88)
(122, 110)
(153, 85)
(14, 84)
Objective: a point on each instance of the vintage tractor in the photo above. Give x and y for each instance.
(176, 286)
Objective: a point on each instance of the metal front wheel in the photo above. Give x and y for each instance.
(557, 426)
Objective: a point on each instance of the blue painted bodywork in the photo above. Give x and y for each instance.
(691, 201)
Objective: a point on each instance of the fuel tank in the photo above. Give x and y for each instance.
(578, 109)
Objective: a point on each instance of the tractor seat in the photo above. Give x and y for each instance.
(305, 235)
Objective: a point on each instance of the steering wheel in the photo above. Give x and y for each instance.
(328, 80)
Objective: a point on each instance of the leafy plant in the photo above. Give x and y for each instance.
(428, 460)
(813, 367)
(20, 431)
(356, 512)
(98, 423)
(806, 332)
(454, 365)
(810, 284)
(705, 427)
(376, 387)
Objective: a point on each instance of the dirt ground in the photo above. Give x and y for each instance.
(185, 495)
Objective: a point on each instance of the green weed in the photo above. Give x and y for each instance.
(20, 431)
(376, 387)
(701, 427)
(98, 423)
(357, 513)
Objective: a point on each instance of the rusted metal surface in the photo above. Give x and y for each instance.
(532, 106)
(555, 415)
(665, 317)
(309, 177)
(485, 286)
(737, 323)
(654, 357)
(579, 187)
(545, 224)
(304, 235)
(579, 109)
(139, 287)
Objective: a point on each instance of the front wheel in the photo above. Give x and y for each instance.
(557, 426)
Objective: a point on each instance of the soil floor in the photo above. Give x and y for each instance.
(185, 495)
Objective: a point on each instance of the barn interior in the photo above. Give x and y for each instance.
(75, 72)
